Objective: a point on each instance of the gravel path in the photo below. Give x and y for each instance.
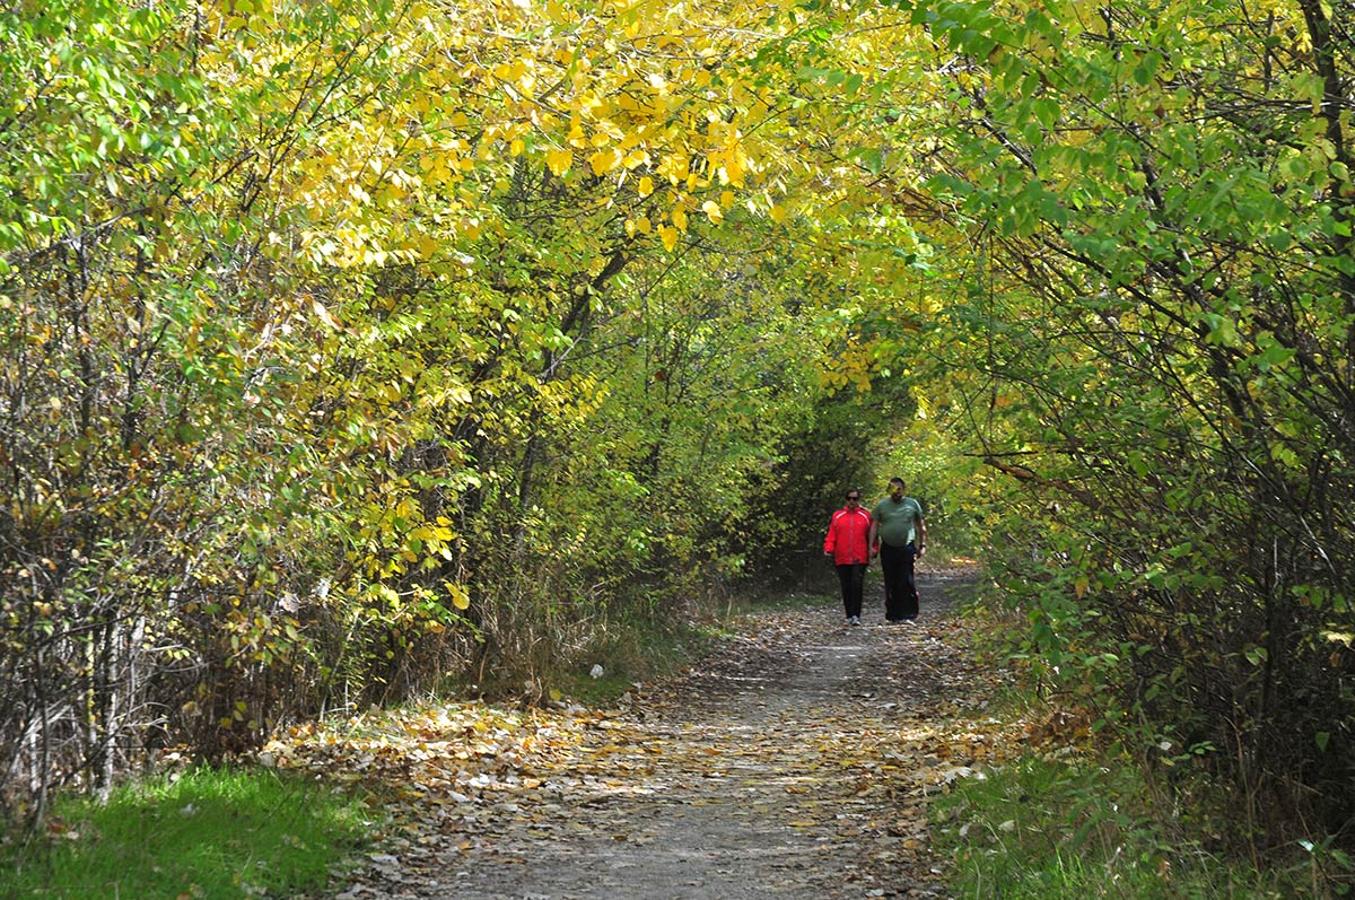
(794, 762)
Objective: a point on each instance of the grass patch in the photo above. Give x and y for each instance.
(208, 833)
(779, 602)
(1071, 827)
(643, 649)
(637, 651)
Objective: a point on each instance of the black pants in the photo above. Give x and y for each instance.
(853, 578)
(901, 599)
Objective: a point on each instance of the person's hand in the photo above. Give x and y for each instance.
(921, 551)
(828, 553)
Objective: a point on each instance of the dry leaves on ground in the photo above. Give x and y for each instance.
(799, 757)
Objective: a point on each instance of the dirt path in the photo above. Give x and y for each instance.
(795, 762)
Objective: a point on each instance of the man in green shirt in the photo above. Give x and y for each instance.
(898, 533)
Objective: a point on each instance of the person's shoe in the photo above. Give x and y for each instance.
(854, 620)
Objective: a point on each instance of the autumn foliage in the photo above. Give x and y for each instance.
(349, 348)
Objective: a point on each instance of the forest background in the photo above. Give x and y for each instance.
(353, 351)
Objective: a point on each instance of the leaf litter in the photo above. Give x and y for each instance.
(798, 759)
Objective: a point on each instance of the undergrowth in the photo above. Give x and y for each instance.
(1076, 816)
(1073, 827)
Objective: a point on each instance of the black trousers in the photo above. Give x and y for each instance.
(853, 578)
(896, 563)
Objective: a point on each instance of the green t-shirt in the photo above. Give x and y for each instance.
(897, 520)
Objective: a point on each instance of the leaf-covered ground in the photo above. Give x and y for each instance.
(797, 760)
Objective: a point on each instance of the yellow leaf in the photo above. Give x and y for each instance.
(726, 199)
(679, 217)
(605, 160)
(712, 209)
(643, 225)
(778, 213)
(323, 314)
(516, 146)
(733, 169)
(559, 160)
(460, 599)
(669, 235)
(646, 186)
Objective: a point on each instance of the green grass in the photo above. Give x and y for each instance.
(643, 649)
(782, 602)
(1054, 828)
(633, 652)
(210, 833)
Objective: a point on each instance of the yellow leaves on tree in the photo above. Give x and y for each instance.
(479, 89)
(669, 235)
(605, 160)
(559, 161)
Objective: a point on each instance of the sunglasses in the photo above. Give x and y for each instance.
(858, 499)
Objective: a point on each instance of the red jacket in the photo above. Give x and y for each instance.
(848, 531)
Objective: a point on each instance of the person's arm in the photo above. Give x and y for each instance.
(830, 542)
(872, 540)
(921, 535)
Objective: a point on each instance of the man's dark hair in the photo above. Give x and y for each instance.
(896, 480)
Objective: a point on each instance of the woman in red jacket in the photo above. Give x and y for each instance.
(847, 543)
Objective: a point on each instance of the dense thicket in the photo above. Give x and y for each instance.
(349, 347)
(1155, 341)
